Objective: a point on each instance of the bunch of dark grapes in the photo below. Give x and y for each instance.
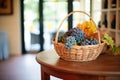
(91, 41)
(77, 33)
(70, 41)
(76, 36)
(72, 37)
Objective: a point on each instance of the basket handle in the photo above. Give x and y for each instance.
(57, 33)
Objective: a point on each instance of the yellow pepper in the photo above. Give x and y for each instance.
(88, 27)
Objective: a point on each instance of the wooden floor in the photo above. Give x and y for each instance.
(22, 67)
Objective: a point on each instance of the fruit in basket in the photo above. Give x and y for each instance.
(70, 41)
(88, 27)
(110, 42)
(91, 41)
(77, 33)
(76, 36)
(73, 39)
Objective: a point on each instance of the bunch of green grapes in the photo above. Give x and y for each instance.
(108, 40)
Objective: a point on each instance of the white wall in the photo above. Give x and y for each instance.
(11, 23)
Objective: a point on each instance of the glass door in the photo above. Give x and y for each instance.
(53, 12)
(41, 18)
(83, 5)
(31, 25)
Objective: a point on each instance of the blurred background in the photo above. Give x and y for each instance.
(32, 24)
(28, 26)
(41, 19)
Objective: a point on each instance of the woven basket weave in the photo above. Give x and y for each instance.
(77, 53)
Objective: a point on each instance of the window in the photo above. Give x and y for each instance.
(31, 25)
(41, 19)
(96, 11)
(53, 12)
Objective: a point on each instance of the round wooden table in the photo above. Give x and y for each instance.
(105, 67)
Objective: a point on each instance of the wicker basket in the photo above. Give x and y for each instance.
(78, 53)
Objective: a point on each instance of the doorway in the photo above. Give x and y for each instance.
(40, 20)
(31, 25)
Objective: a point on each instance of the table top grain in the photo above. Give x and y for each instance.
(105, 64)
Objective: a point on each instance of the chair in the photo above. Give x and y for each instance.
(4, 49)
